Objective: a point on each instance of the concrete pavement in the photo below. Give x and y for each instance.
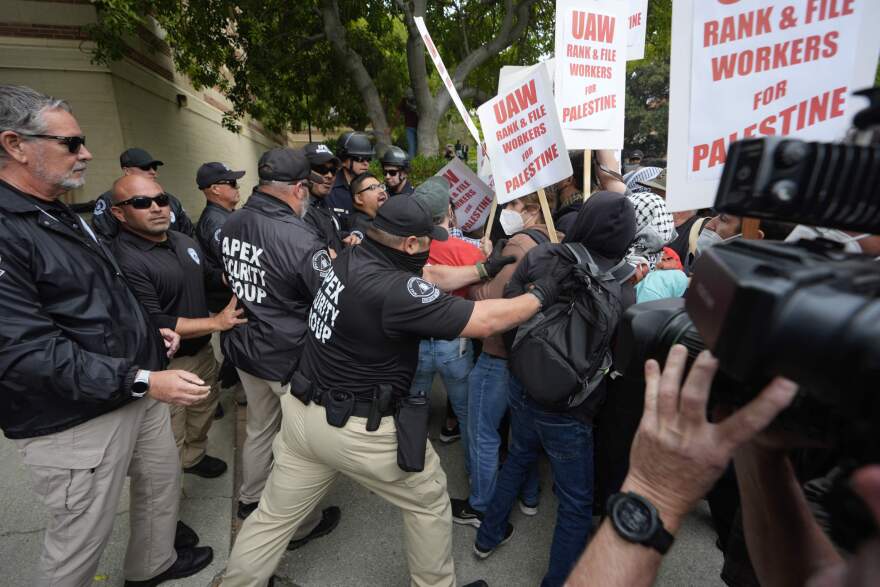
(366, 549)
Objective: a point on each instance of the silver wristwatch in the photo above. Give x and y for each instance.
(141, 384)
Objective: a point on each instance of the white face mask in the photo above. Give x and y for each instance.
(511, 222)
(850, 243)
(708, 238)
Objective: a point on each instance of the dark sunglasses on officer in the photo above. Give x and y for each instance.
(390, 172)
(73, 144)
(145, 202)
(324, 169)
(150, 167)
(230, 182)
(359, 159)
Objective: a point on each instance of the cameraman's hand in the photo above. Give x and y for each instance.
(177, 387)
(677, 454)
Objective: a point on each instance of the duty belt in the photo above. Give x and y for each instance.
(340, 405)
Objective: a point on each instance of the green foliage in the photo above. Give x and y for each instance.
(647, 86)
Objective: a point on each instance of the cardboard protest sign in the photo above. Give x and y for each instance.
(637, 22)
(524, 137)
(447, 81)
(761, 67)
(471, 197)
(591, 39)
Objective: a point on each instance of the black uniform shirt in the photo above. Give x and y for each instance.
(367, 319)
(168, 278)
(406, 190)
(339, 199)
(357, 223)
(322, 219)
(208, 231)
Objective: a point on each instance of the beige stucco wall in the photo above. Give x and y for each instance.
(127, 105)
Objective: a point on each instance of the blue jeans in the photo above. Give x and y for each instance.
(487, 402)
(453, 359)
(569, 446)
(412, 141)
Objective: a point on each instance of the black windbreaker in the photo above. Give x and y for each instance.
(208, 231)
(73, 334)
(267, 255)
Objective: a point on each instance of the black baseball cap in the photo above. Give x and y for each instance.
(136, 157)
(284, 164)
(408, 216)
(319, 154)
(214, 172)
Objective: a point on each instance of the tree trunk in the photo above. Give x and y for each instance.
(354, 67)
(432, 108)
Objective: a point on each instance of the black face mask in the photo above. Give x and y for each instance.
(404, 261)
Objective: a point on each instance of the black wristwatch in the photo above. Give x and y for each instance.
(636, 520)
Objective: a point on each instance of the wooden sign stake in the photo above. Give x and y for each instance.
(548, 217)
(588, 160)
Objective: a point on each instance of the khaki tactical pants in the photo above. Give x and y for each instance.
(309, 455)
(190, 424)
(79, 473)
(263, 422)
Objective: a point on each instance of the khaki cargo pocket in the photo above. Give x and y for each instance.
(64, 480)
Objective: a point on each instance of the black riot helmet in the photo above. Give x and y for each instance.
(355, 144)
(395, 156)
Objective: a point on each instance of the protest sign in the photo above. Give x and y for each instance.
(447, 81)
(591, 40)
(471, 197)
(761, 67)
(637, 23)
(524, 138)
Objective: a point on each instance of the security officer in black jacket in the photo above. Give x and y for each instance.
(395, 168)
(219, 183)
(372, 305)
(324, 165)
(81, 364)
(356, 151)
(136, 161)
(266, 252)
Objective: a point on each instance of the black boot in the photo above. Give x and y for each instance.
(189, 562)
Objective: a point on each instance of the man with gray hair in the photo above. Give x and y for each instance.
(266, 247)
(81, 366)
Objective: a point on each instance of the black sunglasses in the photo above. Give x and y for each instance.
(361, 159)
(154, 167)
(324, 169)
(233, 183)
(145, 202)
(391, 172)
(72, 143)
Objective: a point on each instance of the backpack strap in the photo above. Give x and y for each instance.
(536, 235)
(696, 228)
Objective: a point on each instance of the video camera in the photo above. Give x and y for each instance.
(806, 310)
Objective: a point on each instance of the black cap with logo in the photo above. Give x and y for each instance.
(284, 164)
(136, 157)
(319, 154)
(408, 217)
(215, 172)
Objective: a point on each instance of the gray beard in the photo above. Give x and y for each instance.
(304, 208)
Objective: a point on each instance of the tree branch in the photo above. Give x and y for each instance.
(334, 30)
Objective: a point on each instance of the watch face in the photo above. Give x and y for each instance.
(634, 519)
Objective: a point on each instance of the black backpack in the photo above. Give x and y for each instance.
(562, 353)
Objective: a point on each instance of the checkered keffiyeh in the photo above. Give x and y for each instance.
(633, 178)
(456, 232)
(654, 225)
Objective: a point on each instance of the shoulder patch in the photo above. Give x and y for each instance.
(217, 234)
(100, 207)
(422, 290)
(321, 262)
(194, 255)
(1, 270)
(173, 217)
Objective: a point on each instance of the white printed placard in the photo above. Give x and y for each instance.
(447, 81)
(591, 49)
(471, 197)
(749, 68)
(637, 23)
(524, 137)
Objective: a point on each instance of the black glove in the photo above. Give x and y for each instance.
(548, 287)
(496, 261)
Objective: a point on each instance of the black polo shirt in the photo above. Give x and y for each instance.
(406, 190)
(168, 278)
(367, 319)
